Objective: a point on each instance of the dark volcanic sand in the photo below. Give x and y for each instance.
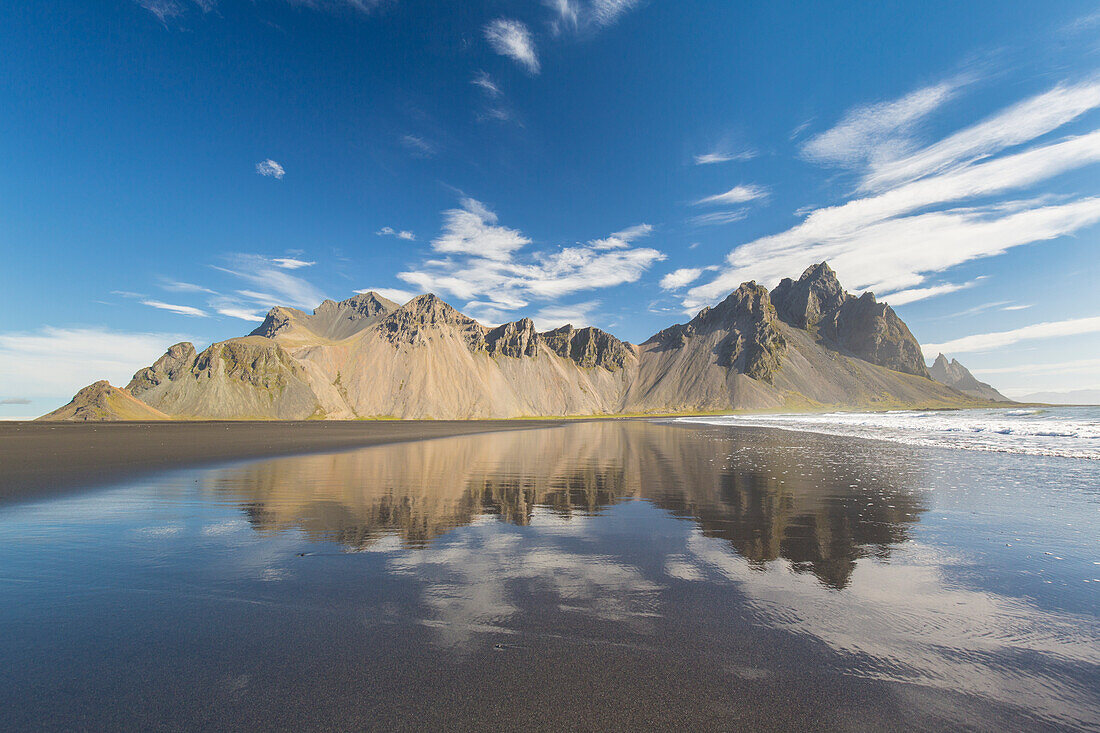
(40, 457)
(607, 575)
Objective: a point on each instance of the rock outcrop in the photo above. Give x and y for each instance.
(245, 378)
(588, 347)
(957, 376)
(861, 326)
(806, 344)
(517, 339)
(101, 402)
(814, 296)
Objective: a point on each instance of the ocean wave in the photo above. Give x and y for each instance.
(1062, 432)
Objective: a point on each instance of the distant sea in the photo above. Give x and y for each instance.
(1070, 432)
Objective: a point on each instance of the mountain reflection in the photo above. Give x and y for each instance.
(769, 495)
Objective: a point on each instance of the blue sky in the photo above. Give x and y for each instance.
(173, 168)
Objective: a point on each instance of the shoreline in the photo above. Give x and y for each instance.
(39, 459)
(42, 458)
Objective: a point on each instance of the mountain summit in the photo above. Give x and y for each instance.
(807, 344)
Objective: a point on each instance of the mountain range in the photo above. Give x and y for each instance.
(805, 345)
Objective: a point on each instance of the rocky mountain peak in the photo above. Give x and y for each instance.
(412, 322)
(329, 320)
(749, 299)
(430, 309)
(515, 339)
(868, 329)
(815, 295)
(746, 328)
(366, 304)
(588, 347)
(177, 361)
(278, 319)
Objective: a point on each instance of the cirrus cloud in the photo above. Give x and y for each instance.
(953, 211)
(511, 38)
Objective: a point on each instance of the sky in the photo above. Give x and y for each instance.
(171, 169)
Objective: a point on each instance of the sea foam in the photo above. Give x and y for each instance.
(1072, 432)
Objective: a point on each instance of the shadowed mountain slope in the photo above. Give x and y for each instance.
(807, 344)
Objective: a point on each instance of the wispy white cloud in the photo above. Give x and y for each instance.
(1084, 23)
(485, 83)
(723, 155)
(577, 315)
(485, 265)
(895, 239)
(391, 232)
(912, 295)
(241, 313)
(394, 294)
(1075, 366)
(1018, 124)
(362, 6)
(270, 169)
(495, 113)
(546, 318)
(56, 362)
(719, 217)
(587, 15)
(680, 278)
(289, 263)
(920, 244)
(622, 239)
(736, 195)
(495, 108)
(277, 286)
(871, 132)
(166, 9)
(998, 339)
(183, 310)
(418, 146)
(182, 287)
(511, 38)
(169, 9)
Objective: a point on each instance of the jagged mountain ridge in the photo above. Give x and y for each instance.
(955, 375)
(330, 320)
(806, 344)
(862, 326)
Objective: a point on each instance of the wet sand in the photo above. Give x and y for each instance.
(600, 575)
(49, 457)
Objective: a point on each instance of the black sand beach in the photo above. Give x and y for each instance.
(42, 457)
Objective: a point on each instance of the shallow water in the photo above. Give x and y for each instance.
(593, 576)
